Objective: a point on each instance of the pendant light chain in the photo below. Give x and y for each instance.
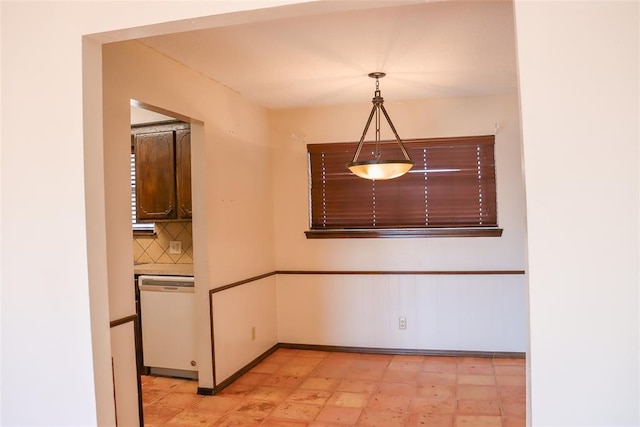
(377, 96)
(379, 168)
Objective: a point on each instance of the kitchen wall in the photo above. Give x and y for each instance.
(155, 249)
(457, 312)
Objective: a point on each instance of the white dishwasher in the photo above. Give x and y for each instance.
(167, 313)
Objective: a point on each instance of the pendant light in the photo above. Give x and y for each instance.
(379, 168)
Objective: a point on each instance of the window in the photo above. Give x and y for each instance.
(451, 191)
(139, 228)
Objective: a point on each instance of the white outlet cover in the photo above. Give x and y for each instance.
(175, 247)
(403, 323)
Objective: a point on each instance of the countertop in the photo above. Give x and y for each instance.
(164, 269)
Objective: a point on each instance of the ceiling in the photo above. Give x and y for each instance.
(428, 50)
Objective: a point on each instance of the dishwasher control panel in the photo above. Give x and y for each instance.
(149, 282)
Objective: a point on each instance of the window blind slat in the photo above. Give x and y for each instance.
(137, 226)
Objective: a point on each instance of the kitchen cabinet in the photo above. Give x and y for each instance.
(163, 171)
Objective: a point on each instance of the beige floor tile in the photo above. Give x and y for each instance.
(401, 376)
(315, 397)
(374, 356)
(356, 386)
(430, 378)
(266, 368)
(441, 366)
(317, 383)
(475, 369)
(430, 420)
(294, 388)
(237, 390)
(430, 405)
(296, 411)
(477, 392)
(314, 353)
(239, 420)
(178, 399)
(371, 364)
(150, 396)
(436, 390)
(162, 383)
(339, 415)
(280, 357)
(477, 421)
(328, 371)
(253, 378)
(408, 358)
(405, 366)
(372, 417)
(514, 409)
(306, 361)
(338, 362)
(517, 394)
(364, 374)
(191, 417)
(511, 380)
(156, 414)
(349, 399)
(509, 370)
(476, 379)
(478, 407)
(283, 381)
(281, 422)
(254, 408)
(269, 394)
(513, 422)
(217, 403)
(504, 361)
(289, 370)
(397, 389)
(389, 403)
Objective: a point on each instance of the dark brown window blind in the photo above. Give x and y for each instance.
(452, 184)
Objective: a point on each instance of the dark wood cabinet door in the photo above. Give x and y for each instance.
(155, 176)
(183, 172)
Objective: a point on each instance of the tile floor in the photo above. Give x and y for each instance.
(321, 389)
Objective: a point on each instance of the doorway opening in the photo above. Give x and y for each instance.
(163, 250)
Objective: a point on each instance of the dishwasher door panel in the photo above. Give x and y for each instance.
(168, 327)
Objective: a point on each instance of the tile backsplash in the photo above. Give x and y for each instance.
(155, 249)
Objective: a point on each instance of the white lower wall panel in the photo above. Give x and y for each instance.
(125, 374)
(236, 312)
(443, 312)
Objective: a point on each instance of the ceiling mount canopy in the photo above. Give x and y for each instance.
(379, 168)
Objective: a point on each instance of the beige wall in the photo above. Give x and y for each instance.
(54, 291)
(578, 65)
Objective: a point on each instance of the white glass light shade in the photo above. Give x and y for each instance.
(380, 169)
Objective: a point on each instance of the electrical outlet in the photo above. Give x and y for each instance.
(402, 323)
(175, 247)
